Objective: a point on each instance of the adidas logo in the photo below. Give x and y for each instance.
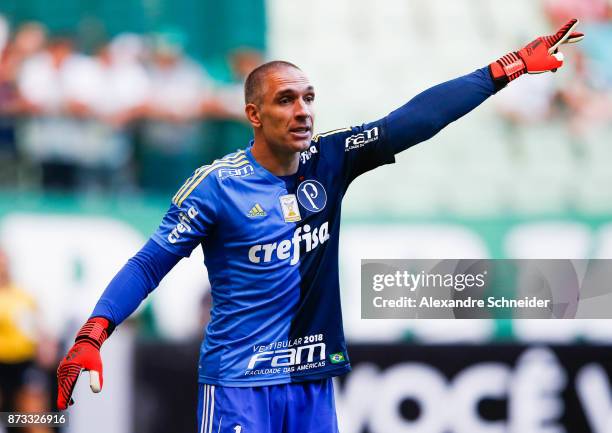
(256, 211)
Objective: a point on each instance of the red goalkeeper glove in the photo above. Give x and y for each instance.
(84, 355)
(539, 56)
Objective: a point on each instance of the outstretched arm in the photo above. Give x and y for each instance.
(185, 225)
(133, 283)
(430, 111)
(427, 113)
(140, 275)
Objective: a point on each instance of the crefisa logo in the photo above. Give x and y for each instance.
(183, 226)
(312, 195)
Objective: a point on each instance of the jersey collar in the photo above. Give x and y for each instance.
(272, 178)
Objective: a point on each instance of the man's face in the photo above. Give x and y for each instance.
(285, 109)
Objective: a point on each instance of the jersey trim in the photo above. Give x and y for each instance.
(234, 161)
(328, 133)
(238, 163)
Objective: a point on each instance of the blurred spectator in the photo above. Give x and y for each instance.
(124, 83)
(78, 106)
(51, 80)
(23, 385)
(59, 86)
(171, 133)
(121, 89)
(29, 39)
(586, 91)
(588, 100)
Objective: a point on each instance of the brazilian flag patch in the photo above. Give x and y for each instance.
(337, 358)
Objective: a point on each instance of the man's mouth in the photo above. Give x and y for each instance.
(301, 132)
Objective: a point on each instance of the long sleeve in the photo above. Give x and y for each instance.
(132, 284)
(430, 111)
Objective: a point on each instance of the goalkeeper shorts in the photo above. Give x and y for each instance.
(306, 407)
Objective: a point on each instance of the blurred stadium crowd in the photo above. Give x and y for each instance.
(127, 116)
(132, 114)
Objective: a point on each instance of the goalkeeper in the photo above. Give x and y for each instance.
(268, 219)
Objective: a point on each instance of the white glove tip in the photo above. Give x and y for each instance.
(94, 381)
(559, 56)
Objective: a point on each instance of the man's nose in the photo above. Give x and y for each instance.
(301, 109)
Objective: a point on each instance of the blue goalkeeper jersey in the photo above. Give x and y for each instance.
(271, 249)
(271, 244)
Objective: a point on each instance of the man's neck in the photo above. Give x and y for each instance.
(279, 164)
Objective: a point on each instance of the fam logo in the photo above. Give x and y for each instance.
(312, 195)
(307, 154)
(359, 140)
(239, 172)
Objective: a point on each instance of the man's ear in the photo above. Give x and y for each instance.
(252, 113)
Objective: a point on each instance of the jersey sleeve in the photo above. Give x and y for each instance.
(133, 283)
(356, 150)
(191, 216)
